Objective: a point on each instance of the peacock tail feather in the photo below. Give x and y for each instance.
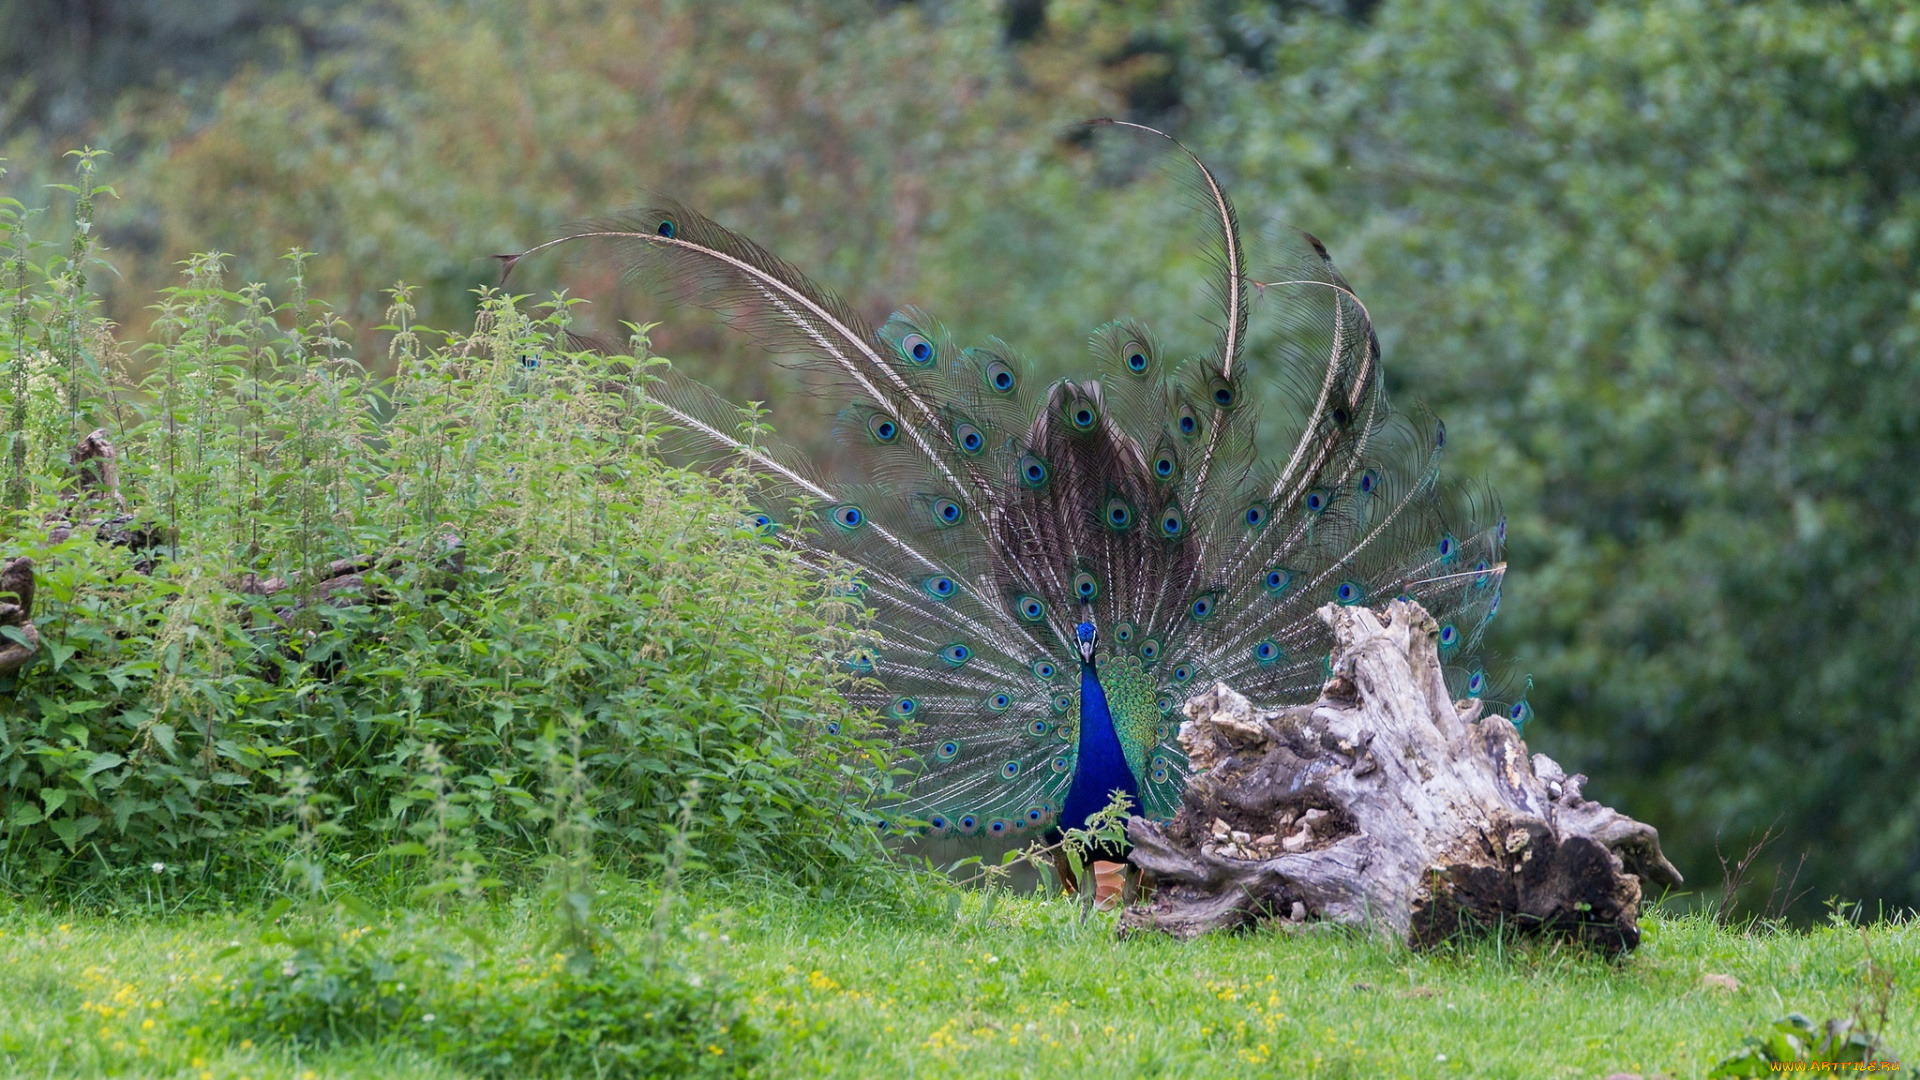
(995, 513)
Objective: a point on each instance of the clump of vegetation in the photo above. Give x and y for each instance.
(518, 562)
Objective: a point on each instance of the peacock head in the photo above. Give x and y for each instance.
(1089, 640)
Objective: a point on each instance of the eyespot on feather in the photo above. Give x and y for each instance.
(1000, 378)
(1173, 523)
(1032, 472)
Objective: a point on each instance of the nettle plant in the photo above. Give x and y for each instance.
(528, 563)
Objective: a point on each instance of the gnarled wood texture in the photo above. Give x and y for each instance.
(1385, 804)
(16, 611)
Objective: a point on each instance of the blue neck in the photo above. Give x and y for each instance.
(1101, 766)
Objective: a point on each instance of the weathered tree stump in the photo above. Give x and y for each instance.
(1387, 805)
(16, 611)
(95, 502)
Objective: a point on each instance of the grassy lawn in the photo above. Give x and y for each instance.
(1022, 989)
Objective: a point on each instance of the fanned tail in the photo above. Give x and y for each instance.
(993, 513)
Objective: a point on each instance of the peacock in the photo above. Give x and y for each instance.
(1053, 567)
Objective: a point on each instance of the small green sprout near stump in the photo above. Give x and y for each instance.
(1794, 1039)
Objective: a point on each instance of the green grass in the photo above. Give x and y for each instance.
(1024, 989)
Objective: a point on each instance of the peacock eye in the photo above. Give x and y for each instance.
(999, 703)
(1081, 415)
(1136, 355)
(1033, 471)
(1182, 673)
(883, 429)
(1446, 547)
(1163, 466)
(666, 228)
(1316, 501)
(1039, 727)
(940, 587)
(969, 439)
(1086, 587)
(946, 512)
(949, 750)
(1341, 416)
(1222, 393)
(1165, 704)
(1150, 650)
(956, 654)
(1480, 574)
(1119, 514)
(1062, 703)
(1201, 607)
(1123, 633)
(1061, 764)
(1256, 515)
(1173, 524)
(1369, 480)
(1000, 377)
(1189, 422)
(1476, 684)
(1266, 652)
(1010, 770)
(918, 349)
(1350, 592)
(1277, 580)
(905, 707)
(1044, 669)
(848, 516)
(1030, 609)
(1448, 635)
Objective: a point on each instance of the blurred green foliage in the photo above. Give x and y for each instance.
(1652, 261)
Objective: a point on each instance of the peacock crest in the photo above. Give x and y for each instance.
(1052, 568)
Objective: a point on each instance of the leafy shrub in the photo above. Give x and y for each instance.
(535, 574)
